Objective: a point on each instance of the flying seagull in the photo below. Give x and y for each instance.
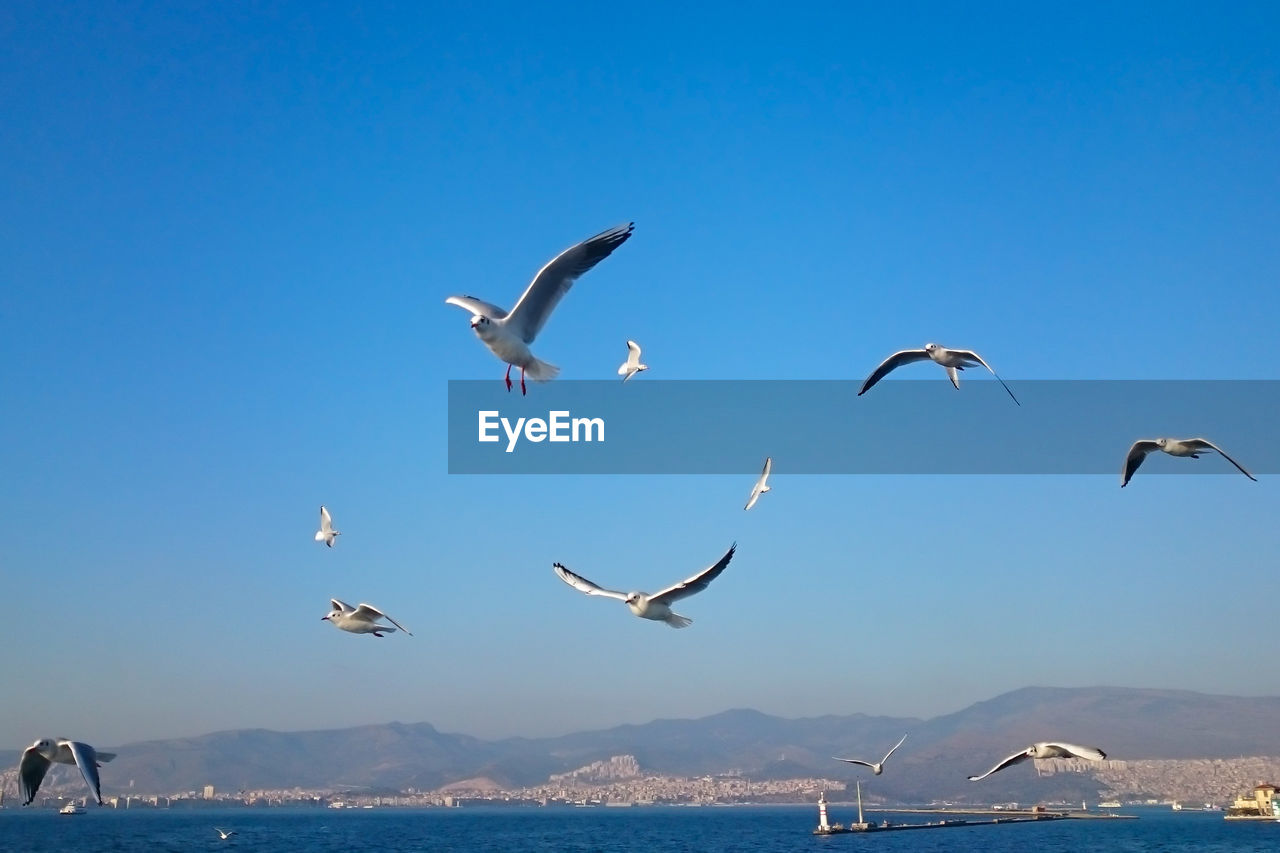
(37, 758)
(360, 620)
(224, 834)
(1192, 447)
(632, 365)
(1046, 749)
(508, 335)
(954, 360)
(878, 767)
(761, 486)
(658, 605)
(326, 533)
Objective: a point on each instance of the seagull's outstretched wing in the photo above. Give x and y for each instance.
(892, 751)
(1088, 753)
(697, 583)
(477, 306)
(338, 604)
(87, 761)
(898, 359)
(368, 611)
(856, 761)
(761, 485)
(554, 280)
(326, 521)
(1011, 760)
(1134, 458)
(1204, 442)
(970, 354)
(31, 770)
(583, 585)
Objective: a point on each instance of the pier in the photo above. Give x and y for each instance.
(1006, 817)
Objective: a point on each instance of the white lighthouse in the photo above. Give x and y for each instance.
(823, 826)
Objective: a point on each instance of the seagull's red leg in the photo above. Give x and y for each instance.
(522, 388)
(508, 377)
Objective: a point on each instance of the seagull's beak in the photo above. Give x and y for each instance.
(324, 618)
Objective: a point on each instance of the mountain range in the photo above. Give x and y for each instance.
(939, 753)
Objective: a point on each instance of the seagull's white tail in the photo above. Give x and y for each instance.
(541, 371)
(675, 620)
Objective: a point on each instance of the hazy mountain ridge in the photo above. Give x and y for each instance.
(939, 753)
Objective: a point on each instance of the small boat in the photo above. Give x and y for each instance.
(71, 808)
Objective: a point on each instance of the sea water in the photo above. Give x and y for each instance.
(603, 830)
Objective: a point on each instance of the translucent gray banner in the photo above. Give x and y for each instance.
(823, 427)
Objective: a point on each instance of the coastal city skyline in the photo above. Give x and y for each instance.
(234, 230)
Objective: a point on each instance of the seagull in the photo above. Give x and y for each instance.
(224, 834)
(508, 335)
(761, 486)
(878, 767)
(326, 533)
(1192, 447)
(632, 365)
(1046, 749)
(360, 620)
(954, 360)
(657, 606)
(37, 758)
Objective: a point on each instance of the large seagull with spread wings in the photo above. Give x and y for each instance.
(361, 619)
(508, 334)
(657, 606)
(1046, 749)
(44, 753)
(1192, 447)
(954, 360)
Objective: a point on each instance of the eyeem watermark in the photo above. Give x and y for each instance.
(558, 426)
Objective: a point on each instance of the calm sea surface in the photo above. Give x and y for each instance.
(778, 828)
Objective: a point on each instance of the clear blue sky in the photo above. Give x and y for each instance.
(229, 232)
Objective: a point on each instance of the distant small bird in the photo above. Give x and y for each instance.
(224, 834)
(1192, 447)
(657, 606)
(878, 767)
(1046, 749)
(508, 335)
(632, 365)
(326, 533)
(360, 620)
(954, 360)
(761, 485)
(37, 758)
